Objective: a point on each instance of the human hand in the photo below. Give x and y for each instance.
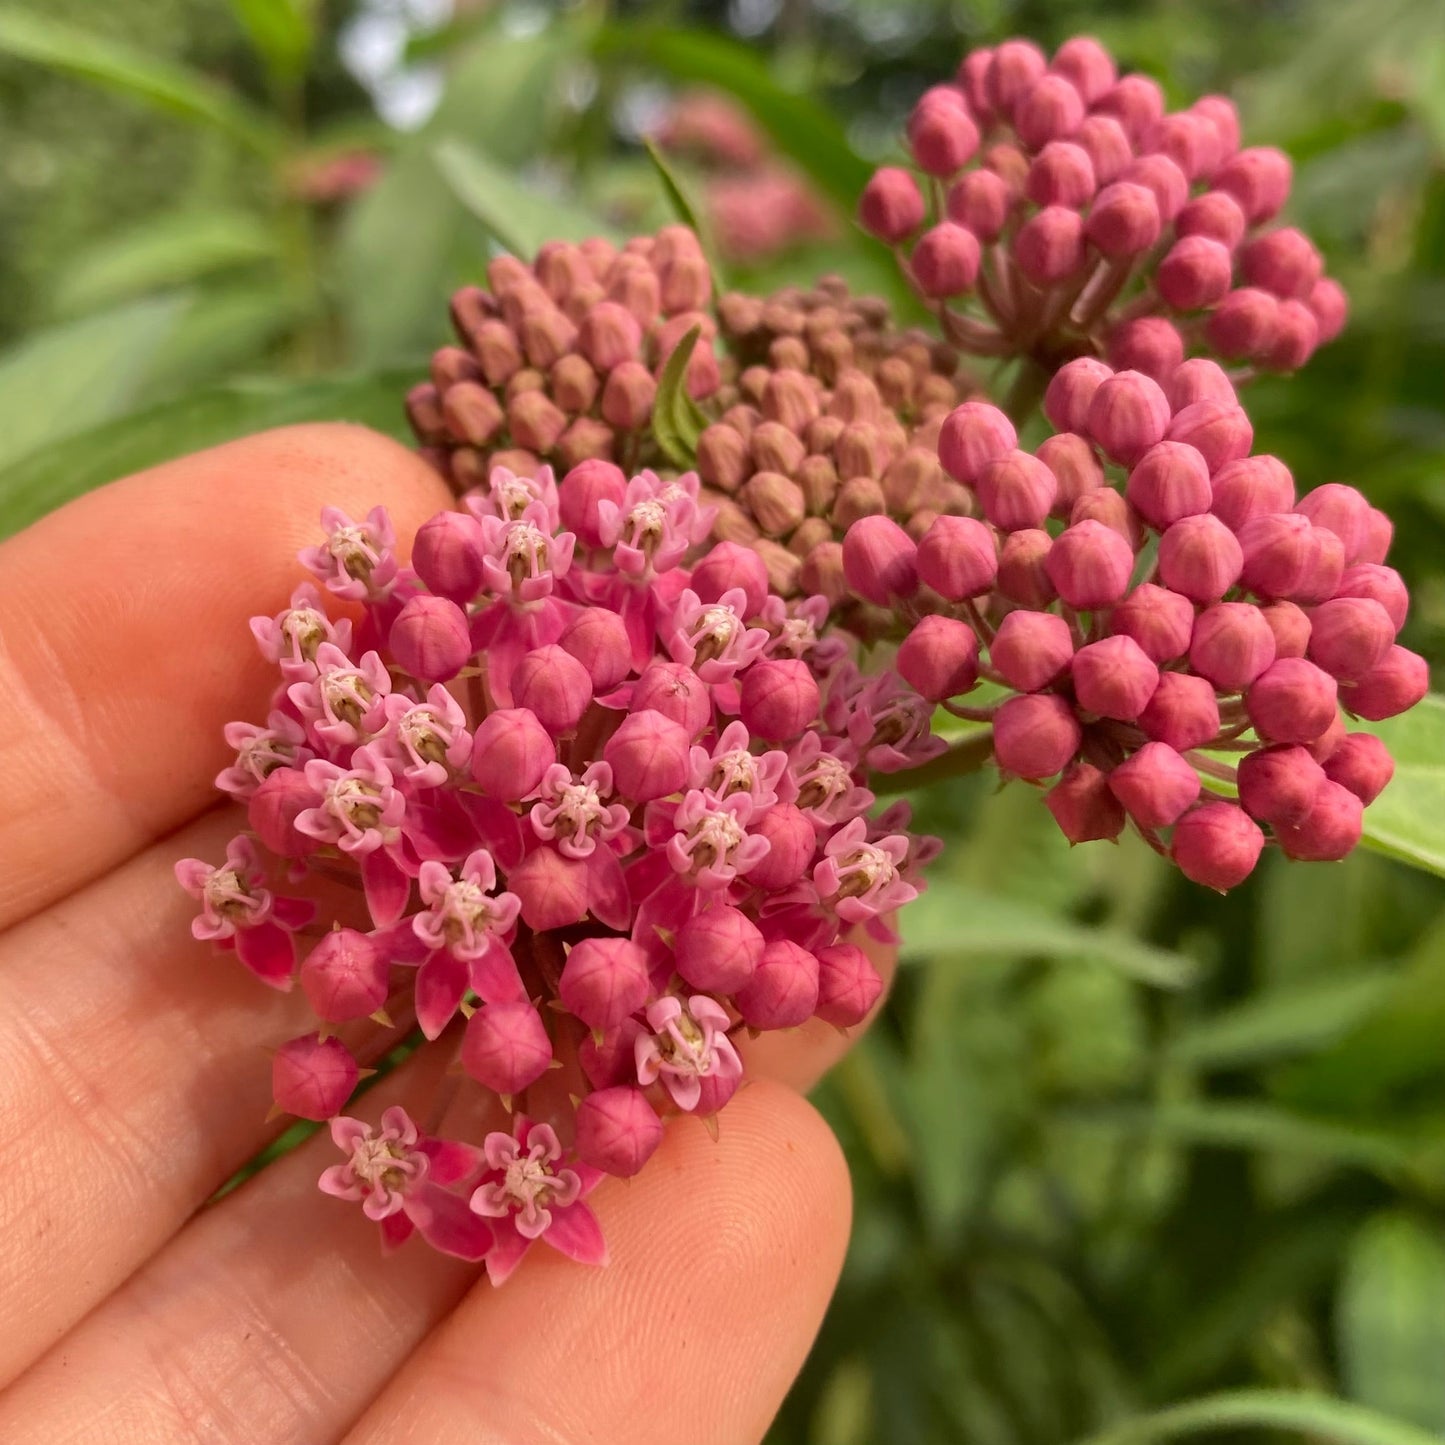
(135, 1081)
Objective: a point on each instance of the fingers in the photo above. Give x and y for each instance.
(124, 647)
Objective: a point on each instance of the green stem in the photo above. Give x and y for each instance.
(1027, 390)
(963, 757)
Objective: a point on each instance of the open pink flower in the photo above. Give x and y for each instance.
(823, 784)
(861, 879)
(463, 914)
(356, 560)
(343, 702)
(427, 742)
(292, 637)
(708, 839)
(260, 751)
(527, 556)
(729, 768)
(511, 497)
(360, 809)
(570, 810)
(689, 1043)
(712, 638)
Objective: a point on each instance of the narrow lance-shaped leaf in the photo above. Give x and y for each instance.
(677, 420)
(686, 211)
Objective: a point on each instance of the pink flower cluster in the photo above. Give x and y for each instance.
(1080, 215)
(1183, 606)
(602, 796)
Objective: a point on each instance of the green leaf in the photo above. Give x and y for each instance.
(1407, 820)
(1390, 1318)
(677, 420)
(159, 83)
(1320, 1417)
(167, 251)
(282, 32)
(685, 211)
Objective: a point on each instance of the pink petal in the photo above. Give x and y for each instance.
(440, 834)
(440, 984)
(451, 1160)
(494, 976)
(498, 827)
(396, 1229)
(293, 913)
(268, 952)
(577, 1234)
(506, 1252)
(607, 894)
(447, 1224)
(388, 889)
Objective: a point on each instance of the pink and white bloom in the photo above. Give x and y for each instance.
(712, 638)
(343, 702)
(892, 726)
(823, 784)
(732, 768)
(859, 879)
(570, 810)
(292, 637)
(260, 751)
(525, 557)
(356, 560)
(463, 913)
(511, 497)
(688, 1043)
(360, 809)
(427, 742)
(710, 842)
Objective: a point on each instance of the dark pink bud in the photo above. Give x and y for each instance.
(880, 560)
(1083, 807)
(617, 1131)
(608, 335)
(1170, 482)
(1031, 649)
(510, 753)
(1129, 413)
(1233, 643)
(1149, 344)
(1296, 337)
(1361, 763)
(1324, 569)
(1216, 216)
(1393, 687)
(1190, 141)
(958, 558)
(1195, 272)
(1124, 220)
(892, 205)
(1292, 701)
(1382, 584)
(792, 841)
(779, 699)
(1107, 145)
(1283, 261)
(848, 985)
(730, 566)
(1183, 712)
(1090, 565)
(1084, 62)
(1159, 174)
(783, 991)
(648, 755)
(554, 686)
(604, 980)
(430, 638)
(1014, 68)
(1331, 831)
(718, 950)
(1199, 379)
(581, 490)
(1328, 740)
(506, 1047)
(1200, 558)
(447, 555)
(272, 811)
(1052, 110)
(346, 976)
(1291, 627)
(1349, 637)
(1016, 491)
(1050, 246)
(1023, 568)
(553, 889)
(1219, 432)
(1343, 511)
(1114, 678)
(1061, 175)
(938, 659)
(942, 136)
(675, 691)
(1155, 786)
(1259, 179)
(1279, 785)
(979, 201)
(1217, 845)
(1159, 620)
(945, 260)
(597, 638)
(1251, 487)
(1137, 101)
(1331, 308)
(1035, 736)
(972, 436)
(1244, 324)
(1076, 468)
(1071, 392)
(312, 1077)
(1378, 537)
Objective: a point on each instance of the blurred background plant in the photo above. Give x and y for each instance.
(1122, 1144)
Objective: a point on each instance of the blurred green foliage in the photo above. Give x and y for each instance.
(1132, 1161)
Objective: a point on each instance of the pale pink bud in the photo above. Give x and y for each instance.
(1107, 144)
(1090, 565)
(892, 206)
(1349, 636)
(1137, 101)
(1200, 558)
(1159, 620)
(1382, 584)
(1217, 845)
(1195, 272)
(1159, 175)
(1155, 786)
(1149, 344)
(345, 976)
(618, 1131)
(1330, 832)
(1361, 763)
(1296, 337)
(1129, 413)
(979, 201)
(506, 1047)
(1392, 687)
(1051, 110)
(510, 753)
(1328, 740)
(1290, 625)
(1049, 247)
(604, 980)
(1104, 504)
(1199, 379)
(1076, 468)
(1030, 649)
(551, 684)
(1220, 111)
(535, 421)
(1244, 324)
(1278, 550)
(447, 555)
(677, 692)
(939, 658)
(1259, 179)
(792, 841)
(1016, 491)
(685, 284)
(1378, 537)
(972, 79)
(1011, 165)
(580, 492)
(972, 436)
(1071, 391)
(611, 1060)
(312, 1077)
(1220, 432)
(273, 808)
(1035, 735)
(1283, 261)
(608, 335)
(822, 573)
(783, 991)
(945, 261)
(1215, 215)
(1023, 575)
(1190, 141)
(1292, 701)
(1083, 807)
(430, 638)
(1183, 712)
(1061, 175)
(649, 756)
(1324, 568)
(1087, 64)
(718, 950)
(957, 558)
(1331, 308)
(1114, 678)
(628, 396)
(1279, 785)
(1170, 482)
(1232, 645)
(942, 136)
(597, 638)
(1013, 69)
(779, 699)
(1251, 487)
(848, 985)
(880, 560)
(1343, 511)
(727, 567)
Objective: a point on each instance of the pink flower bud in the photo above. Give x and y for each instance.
(273, 808)
(972, 436)
(1251, 487)
(1219, 432)
(1279, 550)
(611, 1061)
(979, 201)
(1195, 272)
(848, 985)
(1291, 628)
(1076, 468)
(1394, 686)
(942, 137)
(618, 1131)
(1323, 569)
(957, 558)
(1232, 644)
(1378, 536)
(1049, 247)
(608, 335)
(345, 976)
(1114, 678)
(1215, 216)
(677, 692)
(447, 555)
(1013, 69)
(430, 638)
(1259, 179)
(1279, 785)
(1190, 141)
(1160, 175)
(550, 683)
(1023, 575)
(1170, 482)
(1200, 558)
(729, 566)
(945, 261)
(1341, 510)
(783, 991)
(1062, 174)
(1149, 344)
(1328, 740)
(1016, 491)
(792, 842)
(1292, 701)
(1083, 807)
(780, 699)
(1155, 786)
(1222, 114)
(535, 421)
(1051, 110)
(1217, 845)
(1087, 64)
(1199, 379)
(1349, 637)
(892, 206)
(1071, 391)
(1361, 763)
(1159, 620)
(312, 1077)
(1284, 262)
(604, 980)
(510, 753)
(880, 560)
(1331, 308)
(1382, 584)
(1330, 832)
(939, 658)
(597, 638)
(718, 950)
(506, 1047)
(649, 756)
(1183, 712)
(1129, 413)
(1030, 649)
(628, 396)
(580, 491)
(1090, 565)
(1035, 736)
(1244, 324)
